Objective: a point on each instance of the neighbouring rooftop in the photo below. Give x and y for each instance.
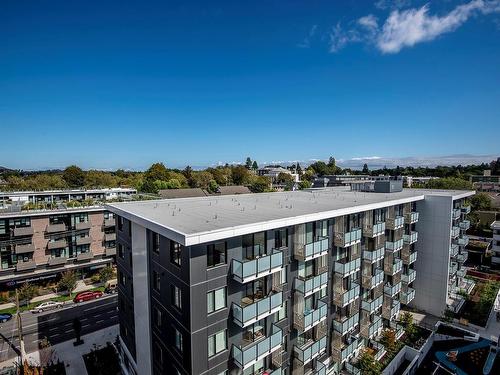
(202, 219)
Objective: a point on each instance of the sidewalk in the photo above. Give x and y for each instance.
(72, 355)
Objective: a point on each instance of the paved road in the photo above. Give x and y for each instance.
(57, 325)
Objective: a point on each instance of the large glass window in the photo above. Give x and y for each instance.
(280, 238)
(156, 281)
(217, 343)
(216, 300)
(178, 339)
(156, 243)
(176, 296)
(254, 245)
(216, 254)
(175, 253)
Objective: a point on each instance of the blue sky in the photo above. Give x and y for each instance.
(120, 84)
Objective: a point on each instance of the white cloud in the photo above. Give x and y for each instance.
(405, 28)
(306, 42)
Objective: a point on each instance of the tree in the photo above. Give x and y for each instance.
(106, 273)
(212, 186)
(27, 291)
(285, 179)
(320, 168)
(448, 183)
(368, 365)
(389, 340)
(304, 184)
(260, 184)
(248, 163)
(255, 166)
(240, 175)
(68, 281)
(481, 202)
(157, 171)
(201, 179)
(365, 169)
(74, 176)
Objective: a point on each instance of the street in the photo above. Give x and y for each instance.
(57, 325)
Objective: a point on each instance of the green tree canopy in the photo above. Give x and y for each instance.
(68, 281)
(74, 176)
(481, 202)
(449, 183)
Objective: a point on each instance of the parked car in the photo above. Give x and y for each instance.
(87, 296)
(111, 286)
(5, 317)
(45, 306)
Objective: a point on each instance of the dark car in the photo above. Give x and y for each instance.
(5, 317)
(87, 296)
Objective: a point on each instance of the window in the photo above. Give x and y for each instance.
(175, 253)
(157, 317)
(280, 238)
(120, 223)
(178, 339)
(158, 352)
(216, 300)
(121, 277)
(216, 254)
(120, 250)
(156, 243)
(156, 281)
(217, 343)
(176, 297)
(281, 314)
(130, 229)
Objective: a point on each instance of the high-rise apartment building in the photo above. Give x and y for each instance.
(278, 283)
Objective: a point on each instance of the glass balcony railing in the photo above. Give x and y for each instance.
(407, 296)
(251, 310)
(374, 256)
(462, 257)
(348, 238)
(251, 269)
(392, 290)
(395, 223)
(373, 230)
(410, 238)
(372, 329)
(411, 217)
(306, 320)
(409, 277)
(310, 350)
(455, 213)
(453, 268)
(453, 249)
(371, 281)
(344, 352)
(463, 241)
(394, 245)
(311, 250)
(393, 268)
(455, 231)
(464, 225)
(391, 309)
(344, 297)
(465, 209)
(461, 272)
(372, 305)
(245, 356)
(345, 325)
(348, 267)
(312, 284)
(408, 256)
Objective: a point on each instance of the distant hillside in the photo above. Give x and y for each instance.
(4, 169)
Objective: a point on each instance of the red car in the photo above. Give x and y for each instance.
(87, 296)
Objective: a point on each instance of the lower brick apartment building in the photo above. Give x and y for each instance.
(39, 244)
(277, 283)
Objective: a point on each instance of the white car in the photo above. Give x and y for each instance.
(45, 306)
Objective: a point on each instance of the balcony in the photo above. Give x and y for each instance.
(462, 257)
(247, 355)
(251, 269)
(345, 268)
(455, 231)
(87, 240)
(304, 321)
(398, 329)
(342, 352)
(411, 217)
(395, 223)
(109, 222)
(345, 325)
(394, 267)
(464, 225)
(85, 256)
(26, 266)
(23, 231)
(392, 290)
(54, 228)
(372, 329)
(453, 250)
(407, 296)
(394, 245)
(312, 284)
(463, 241)
(251, 310)
(455, 213)
(390, 309)
(311, 349)
(372, 305)
(311, 250)
(465, 209)
(461, 272)
(371, 281)
(110, 251)
(109, 237)
(57, 261)
(374, 256)
(407, 256)
(342, 297)
(374, 230)
(24, 248)
(82, 225)
(410, 238)
(57, 244)
(409, 277)
(453, 268)
(348, 238)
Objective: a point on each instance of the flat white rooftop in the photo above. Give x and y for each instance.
(196, 220)
(66, 192)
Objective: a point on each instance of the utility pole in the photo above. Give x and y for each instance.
(20, 331)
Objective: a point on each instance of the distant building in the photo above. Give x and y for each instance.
(198, 192)
(495, 246)
(409, 181)
(339, 180)
(273, 173)
(486, 182)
